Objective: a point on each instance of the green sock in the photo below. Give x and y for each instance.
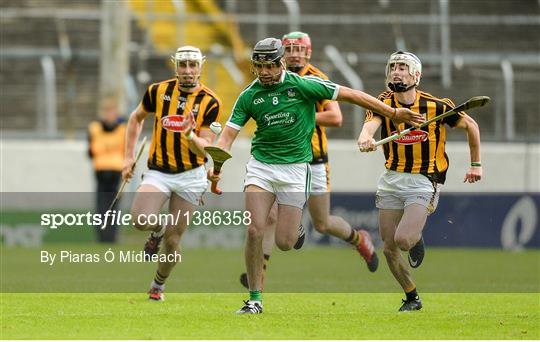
(255, 295)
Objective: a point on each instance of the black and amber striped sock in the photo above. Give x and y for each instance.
(354, 238)
(159, 278)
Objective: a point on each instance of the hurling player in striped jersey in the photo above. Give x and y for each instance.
(416, 166)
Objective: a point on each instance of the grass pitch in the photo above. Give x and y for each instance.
(467, 294)
(286, 316)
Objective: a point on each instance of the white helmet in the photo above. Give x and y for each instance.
(414, 64)
(188, 53)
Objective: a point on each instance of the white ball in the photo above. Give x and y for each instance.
(215, 127)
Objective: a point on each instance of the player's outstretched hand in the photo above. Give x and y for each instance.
(473, 175)
(408, 116)
(211, 176)
(366, 144)
(127, 169)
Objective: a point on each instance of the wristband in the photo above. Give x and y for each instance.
(190, 136)
(476, 164)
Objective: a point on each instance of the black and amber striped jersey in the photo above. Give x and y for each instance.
(169, 151)
(421, 151)
(318, 140)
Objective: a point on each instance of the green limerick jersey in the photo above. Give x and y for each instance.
(285, 116)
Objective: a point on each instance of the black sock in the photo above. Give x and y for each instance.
(412, 295)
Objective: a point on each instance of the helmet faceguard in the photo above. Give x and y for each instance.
(188, 54)
(415, 70)
(267, 54)
(297, 50)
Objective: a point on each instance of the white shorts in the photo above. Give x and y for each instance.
(320, 181)
(289, 182)
(190, 185)
(396, 190)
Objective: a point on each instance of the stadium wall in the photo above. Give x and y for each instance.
(63, 166)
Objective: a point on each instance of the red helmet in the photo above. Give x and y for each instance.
(298, 38)
(302, 42)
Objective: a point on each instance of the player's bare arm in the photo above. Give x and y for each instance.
(366, 142)
(473, 136)
(197, 142)
(134, 128)
(200, 141)
(331, 116)
(228, 136)
(398, 115)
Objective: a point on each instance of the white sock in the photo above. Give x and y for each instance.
(154, 284)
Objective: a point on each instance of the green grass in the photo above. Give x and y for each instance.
(314, 293)
(332, 270)
(287, 316)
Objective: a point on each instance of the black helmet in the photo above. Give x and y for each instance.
(268, 50)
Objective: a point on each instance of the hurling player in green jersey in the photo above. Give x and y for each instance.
(297, 58)
(282, 104)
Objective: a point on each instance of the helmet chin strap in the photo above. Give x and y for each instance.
(188, 85)
(399, 87)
